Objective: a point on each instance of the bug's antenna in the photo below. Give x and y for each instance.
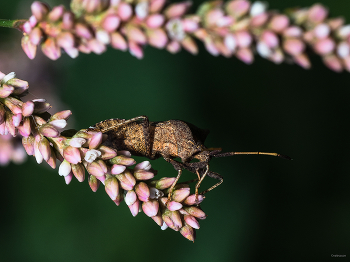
(251, 153)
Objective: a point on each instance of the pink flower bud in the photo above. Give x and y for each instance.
(333, 63)
(158, 219)
(210, 46)
(127, 180)
(91, 155)
(245, 55)
(79, 172)
(61, 115)
(111, 23)
(103, 165)
(244, 39)
(27, 28)
(35, 36)
(278, 23)
(72, 155)
(27, 108)
(293, 46)
(143, 175)
(95, 169)
(157, 38)
(68, 178)
(39, 10)
(343, 49)
(238, 8)
(107, 152)
(191, 221)
(141, 9)
(188, 232)
(172, 219)
(25, 129)
(96, 46)
(142, 191)
(58, 123)
(173, 47)
(270, 39)
(155, 20)
(317, 13)
(324, 46)
(83, 31)
(181, 194)
(136, 35)
(172, 206)
(130, 197)
(77, 142)
(93, 183)
(117, 169)
(122, 160)
(118, 41)
(177, 9)
(134, 208)
(52, 160)
(51, 49)
(191, 200)
(44, 148)
(3, 129)
(150, 208)
(119, 198)
(190, 45)
(13, 104)
(112, 187)
(322, 31)
(48, 130)
(65, 168)
(28, 47)
(6, 90)
(56, 13)
(68, 20)
(65, 40)
(163, 183)
(102, 36)
(190, 24)
(196, 212)
(145, 165)
(156, 6)
(124, 11)
(28, 144)
(19, 85)
(95, 141)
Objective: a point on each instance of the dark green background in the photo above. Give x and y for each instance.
(268, 209)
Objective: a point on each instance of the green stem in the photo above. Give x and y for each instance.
(17, 24)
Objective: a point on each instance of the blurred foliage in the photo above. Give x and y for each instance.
(268, 209)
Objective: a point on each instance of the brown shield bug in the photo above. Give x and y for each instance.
(168, 139)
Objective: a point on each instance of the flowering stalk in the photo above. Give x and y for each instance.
(44, 138)
(236, 28)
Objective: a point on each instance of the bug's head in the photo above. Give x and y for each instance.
(207, 154)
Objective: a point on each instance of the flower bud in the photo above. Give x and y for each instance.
(61, 115)
(68, 178)
(107, 152)
(27, 108)
(191, 221)
(28, 47)
(120, 198)
(77, 142)
(172, 219)
(95, 169)
(52, 160)
(39, 10)
(130, 197)
(188, 232)
(158, 219)
(94, 183)
(163, 183)
(6, 90)
(173, 206)
(28, 144)
(122, 160)
(196, 212)
(118, 41)
(65, 168)
(72, 154)
(145, 165)
(91, 155)
(95, 140)
(44, 148)
(78, 171)
(112, 187)
(143, 175)
(191, 200)
(117, 169)
(127, 180)
(142, 191)
(150, 208)
(51, 49)
(177, 9)
(56, 13)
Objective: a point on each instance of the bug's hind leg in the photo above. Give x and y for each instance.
(178, 166)
(200, 180)
(216, 176)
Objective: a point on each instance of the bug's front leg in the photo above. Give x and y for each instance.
(178, 166)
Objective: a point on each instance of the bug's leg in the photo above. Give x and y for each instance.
(216, 176)
(178, 166)
(200, 180)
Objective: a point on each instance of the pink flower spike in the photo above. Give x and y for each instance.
(124, 11)
(48, 130)
(65, 168)
(177, 9)
(56, 13)
(145, 165)
(324, 46)
(191, 221)
(27, 108)
(68, 178)
(157, 38)
(28, 144)
(95, 169)
(134, 208)
(39, 10)
(245, 55)
(142, 191)
(95, 141)
(173, 206)
(72, 155)
(191, 200)
(112, 187)
(150, 208)
(28, 47)
(317, 13)
(107, 152)
(111, 23)
(155, 20)
(130, 197)
(117, 169)
(118, 41)
(59, 123)
(94, 183)
(51, 49)
(35, 36)
(44, 148)
(79, 172)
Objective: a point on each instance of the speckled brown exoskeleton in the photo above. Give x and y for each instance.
(168, 139)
